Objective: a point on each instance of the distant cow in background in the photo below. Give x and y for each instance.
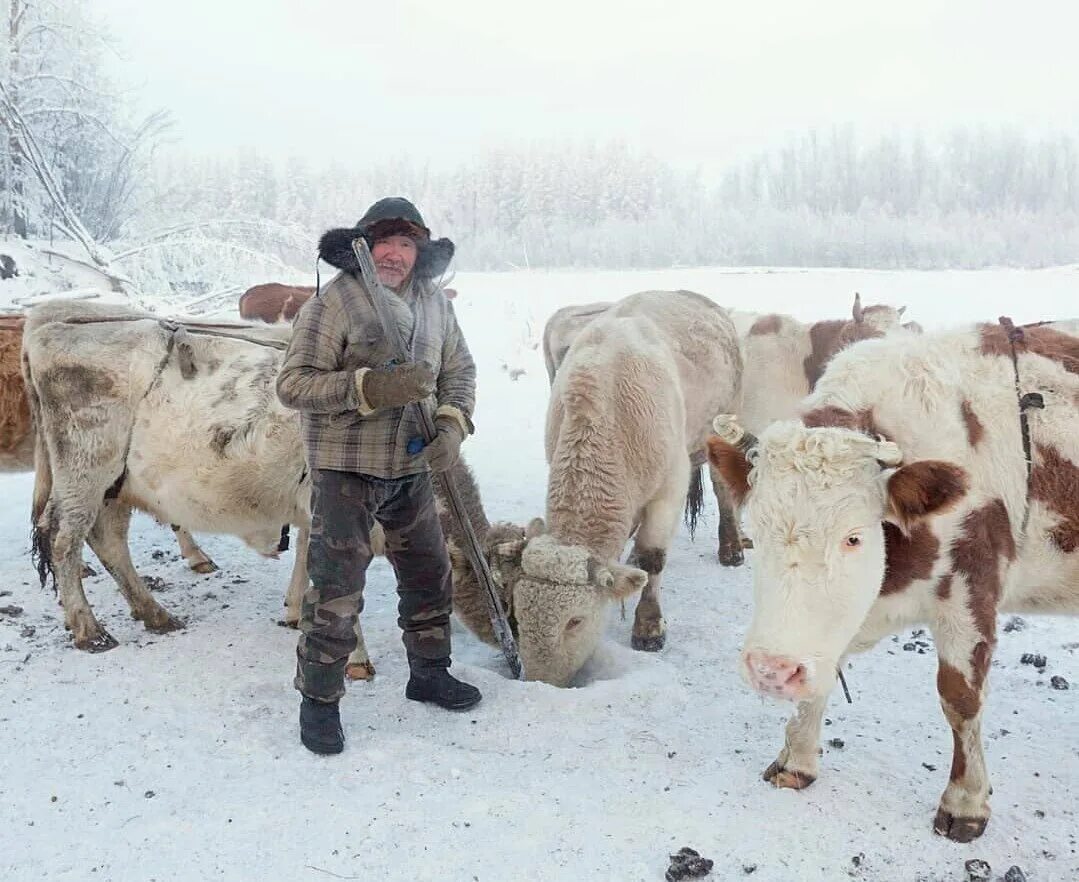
(274, 302)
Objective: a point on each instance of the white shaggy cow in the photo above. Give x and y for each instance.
(130, 414)
(903, 496)
(632, 402)
(192, 432)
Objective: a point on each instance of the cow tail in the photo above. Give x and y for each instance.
(42, 522)
(694, 498)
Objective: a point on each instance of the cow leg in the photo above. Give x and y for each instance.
(67, 525)
(196, 558)
(359, 665)
(659, 520)
(299, 581)
(730, 532)
(963, 664)
(108, 539)
(798, 763)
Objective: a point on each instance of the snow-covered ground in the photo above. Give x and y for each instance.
(177, 757)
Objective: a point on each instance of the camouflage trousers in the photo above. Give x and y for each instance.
(345, 506)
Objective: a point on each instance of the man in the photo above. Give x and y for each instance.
(358, 418)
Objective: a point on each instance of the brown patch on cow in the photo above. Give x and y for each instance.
(828, 338)
(766, 324)
(959, 758)
(956, 693)
(923, 488)
(221, 438)
(1043, 341)
(1054, 482)
(944, 586)
(975, 429)
(74, 383)
(732, 465)
(651, 560)
(14, 405)
(985, 539)
(907, 559)
(274, 302)
(832, 417)
(823, 344)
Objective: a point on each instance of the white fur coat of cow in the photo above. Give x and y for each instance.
(631, 403)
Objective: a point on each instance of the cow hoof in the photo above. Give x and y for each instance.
(731, 557)
(360, 670)
(204, 567)
(285, 623)
(163, 624)
(648, 643)
(101, 642)
(788, 779)
(747, 542)
(88, 572)
(958, 829)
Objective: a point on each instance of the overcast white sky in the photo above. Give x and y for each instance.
(692, 81)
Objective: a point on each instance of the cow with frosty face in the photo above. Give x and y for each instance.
(630, 405)
(902, 497)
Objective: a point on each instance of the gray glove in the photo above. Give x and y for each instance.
(398, 385)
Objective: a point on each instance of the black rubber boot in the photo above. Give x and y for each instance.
(320, 726)
(438, 686)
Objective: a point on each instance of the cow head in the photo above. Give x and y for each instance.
(817, 500)
(872, 321)
(560, 597)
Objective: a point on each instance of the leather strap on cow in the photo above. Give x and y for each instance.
(1027, 401)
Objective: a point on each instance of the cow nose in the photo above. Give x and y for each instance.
(777, 675)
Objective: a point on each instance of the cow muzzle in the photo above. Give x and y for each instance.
(778, 675)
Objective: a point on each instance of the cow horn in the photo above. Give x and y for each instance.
(899, 312)
(888, 453)
(726, 427)
(857, 311)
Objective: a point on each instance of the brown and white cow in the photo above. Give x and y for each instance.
(632, 402)
(902, 497)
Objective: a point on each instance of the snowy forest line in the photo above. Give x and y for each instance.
(77, 162)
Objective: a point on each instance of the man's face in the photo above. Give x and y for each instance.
(394, 258)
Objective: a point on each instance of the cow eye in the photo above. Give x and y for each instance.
(852, 541)
(573, 623)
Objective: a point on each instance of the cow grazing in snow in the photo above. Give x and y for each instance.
(630, 405)
(901, 497)
(191, 431)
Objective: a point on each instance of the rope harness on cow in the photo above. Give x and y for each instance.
(1027, 401)
(178, 340)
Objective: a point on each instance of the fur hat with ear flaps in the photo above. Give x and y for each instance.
(392, 216)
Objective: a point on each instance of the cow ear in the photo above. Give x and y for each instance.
(732, 465)
(618, 581)
(922, 489)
